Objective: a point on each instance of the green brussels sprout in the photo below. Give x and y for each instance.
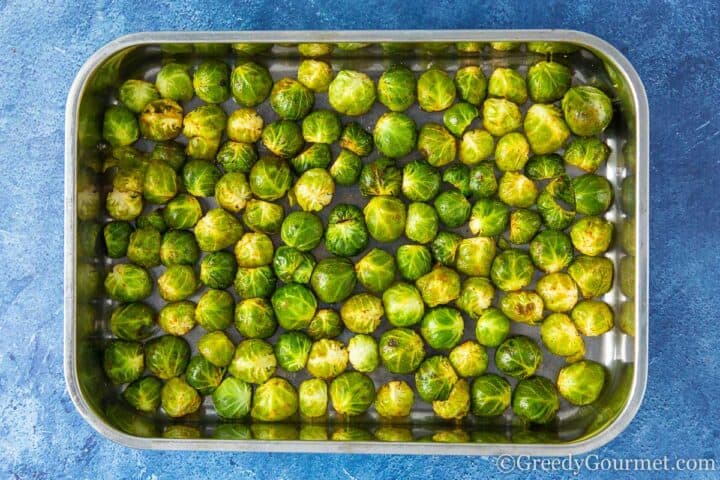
(254, 361)
(315, 49)
(458, 175)
(261, 216)
(210, 81)
(333, 279)
(351, 93)
(117, 237)
(218, 269)
(587, 154)
(476, 296)
(512, 152)
(523, 306)
(394, 399)
(161, 120)
(199, 178)
(457, 405)
(380, 177)
(469, 359)
(548, 81)
(292, 350)
(315, 75)
(232, 192)
(124, 205)
(490, 395)
(160, 184)
(594, 275)
(512, 270)
(523, 226)
(128, 283)
(545, 128)
(214, 310)
(274, 401)
(254, 282)
(216, 348)
(177, 282)
(435, 90)
(509, 84)
(544, 167)
(203, 376)
(182, 212)
(518, 357)
(207, 121)
(179, 247)
(129, 180)
(593, 317)
(177, 318)
(492, 327)
(459, 117)
(395, 134)
(178, 398)
(245, 125)
(475, 256)
(255, 318)
(232, 398)
(356, 139)
(270, 178)
(501, 116)
(413, 261)
(250, 84)
(313, 397)
(442, 328)
(385, 218)
(294, 306)
(560, 336)
(551, 251)
(396, 88)
(435, 378)
(152, 220)
(173, 82)
(132, 321)
(317, 155)
(167, 356)
(321, 126)
(436, 144)
(302, 230)
(123, 361)
(580, 383)
(283, 138)
(290, 99)
(401, 350)
(346, 168)
(352, 393)
(440, 286)
(558, 292)
(536, 400)
(254, 250)
(376, 270)
(591, 235)
(327, 359)
(217, 230)
(593, 194)
(422, 222)
(452, 208)
(236, 157)
(420, 181)
(488, 217)
(363, 353)
(476, 145)
(346, 233)
(144, 394)
(172, 153)
(471, 84)
(292, 265)
(135, 94)
(588, 111)
(361, 313)
(325, 324)
(483, 182)
(556, 203)
(120, 127)
(444, 247)
(403, 305)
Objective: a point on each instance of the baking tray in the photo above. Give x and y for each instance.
(577, 430)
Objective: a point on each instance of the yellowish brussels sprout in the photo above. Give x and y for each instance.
(245, 125)
(395, 134)
(475, 256)
(442, 327)
(469, 359)
(594, 275)
(560, 336)
(135, 94)
(315, 75)
(262, 216)
(385, 218)
(376, 270)
(435, 90)
(313, 397)
(352, 393)
(396, 88)
(422, 222)
(545, 128)
(523, 306)
(516, 190)
(317, 155)
(351, 93)
(294, 305)
(588, 111)
(512, 152)
(457, 404)
(439, 287)
(178, 398)
(173, 82)
(509, 84)
(177, 318)
(436, 144)
(593, 317)
(274, 401)
(327, 359)
(356, 139)
(501, 116)
(512, 270)
(459, 117)
(558, 291)
(591, 235)
(394, 399)
(580, 383)
(362, 313)
(254, 361)
(315, 49)
(551, 251)
(524, 224)
(127, 283)
(476, 296)
(122, 205)
(161, 120)
(488, 217)
(254, 318)
(363, 353)
(548, 81)
(420, 181)
(587, 154)
(471, 84)
(401, 350)
(217, 230)
(232, 398)
(346, 168)
(314, 190)
(290, 99)
(232, 191)
(476, 145)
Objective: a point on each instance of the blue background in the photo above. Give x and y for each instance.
(675, 48)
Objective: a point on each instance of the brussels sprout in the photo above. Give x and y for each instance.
(509, 84)
(488, 217)
(270, 178)
(501, 116)
(352, 393)
(440, 286)
(351, 93)
(254, 250)
(214, 310)
(178, 398)
(545, 128)
(218, 269)
(167, 356)
(316, 155)
(250, 84)
(294, 306)
(177, 318)
(321, 126)
(593, 318)
(475, 256)
(203, 148)
(153, 220)
(292, 350)
(548, 81)
(274, 401)
(588, 154)
(476, 296)
(363, 353)
(420, 181)
(120, 127)
(179, 248)
(435, 378)
(544, 167)
(346, 233)
(236, 157)
(380, 177)
(313, 397)
(435, 90)
(588, 111)
(444, 247)
(217, 230)
(315, 75)
(459, 117)
(361, 313)
(385, 218)
(135, 94)
(172, 153)
(483, 182)
(422, 223)
(594, 275)
(492, 327)
(129, 180)
(376, 270)
(203, 376)
(518, 356)
(394, 399)
(216, 348)
(458, 175)
(199, 178)
(283, 138)
(471, 84)
(591, 235)
(396, 88)
(232, 192)
(395, 134)
(255, 282)
(232, 398)
(124, 205)
(173, 81)
(327, 359)
(144, 247)
(512, 152)
(210, 81)
(523, 307)
(207, 121)
(452, 208)
(254, 361)
(123, 361)
(302, 230)
(292, 265)
(182, 212)
(117, 237)
(558, 291)
(557, 203)
(442, 328)
(356, 139)
(512, 270)
(580, 383)
(161, 120)
(436, 144)
(524, 224)
(128, 283)
(560, 336)
(469, 359)
(403, 305)
(457, 405)
(132, 321)
(476, 146)
(490, 395)
(177, 282)
(536, 400)
(413, 261)
(401, 350)
(551, 251)
(593, 194)
(244, 126)
(290, 99)
(333, 279)
(160, 184)
(325, 324)
(346, 168)
(144, 394)
(261, 216)
(254, 318)
(315, 49)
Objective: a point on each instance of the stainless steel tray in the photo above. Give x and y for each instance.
(576, 430)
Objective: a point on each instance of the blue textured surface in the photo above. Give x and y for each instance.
(674, 47)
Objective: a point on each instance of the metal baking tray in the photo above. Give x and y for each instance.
(576, 430)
